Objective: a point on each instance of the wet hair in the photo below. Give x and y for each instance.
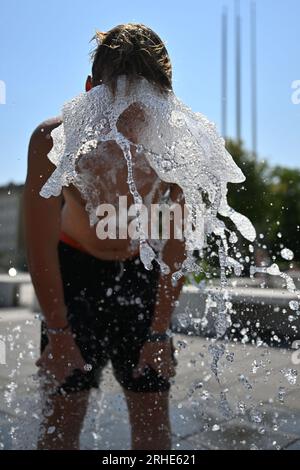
(133, 50)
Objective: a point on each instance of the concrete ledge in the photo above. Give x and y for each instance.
(256, 313)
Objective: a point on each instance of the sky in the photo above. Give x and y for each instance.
(44, 61)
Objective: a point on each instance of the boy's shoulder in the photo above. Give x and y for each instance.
(44, 129)
(41, 142)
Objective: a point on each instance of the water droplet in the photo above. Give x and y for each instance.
(287, 254)
(294, 305)
(290, 375)
(51, 430)
(245, 382)
(230, 357)
(255, 416)
(12, 272)
(216, 427)
(281, 394)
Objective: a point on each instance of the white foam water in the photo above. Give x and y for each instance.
(182, 147)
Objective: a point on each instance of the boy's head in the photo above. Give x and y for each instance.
(133, 50)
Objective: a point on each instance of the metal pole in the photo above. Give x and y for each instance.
(238, 71)
(224, 71)
(253, 78)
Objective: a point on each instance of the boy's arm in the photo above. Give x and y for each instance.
(42, 227)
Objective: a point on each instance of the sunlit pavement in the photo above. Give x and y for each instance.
(262, 410)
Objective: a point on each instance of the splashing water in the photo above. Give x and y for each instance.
(274, 270)
(183, 148)
(290, 375)
(245, 381)
(281, 394)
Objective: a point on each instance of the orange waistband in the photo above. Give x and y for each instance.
(70, 241)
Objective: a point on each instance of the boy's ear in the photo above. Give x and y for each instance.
(88, 83)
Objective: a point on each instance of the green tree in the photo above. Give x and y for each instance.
(285, 210)
(270, 198)
(251, 198)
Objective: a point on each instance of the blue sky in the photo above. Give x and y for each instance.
(44, 60)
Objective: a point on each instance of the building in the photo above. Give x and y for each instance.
(12, 245)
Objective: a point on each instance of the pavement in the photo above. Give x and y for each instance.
(255, 404)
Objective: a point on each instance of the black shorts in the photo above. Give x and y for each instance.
(110, 306)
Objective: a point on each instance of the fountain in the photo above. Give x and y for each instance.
(183, 148)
